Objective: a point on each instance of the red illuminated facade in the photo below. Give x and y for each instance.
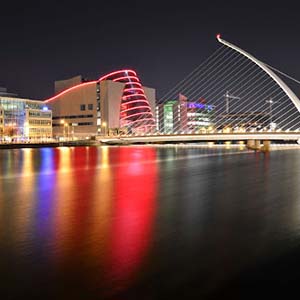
(116, 100)
(135, 110)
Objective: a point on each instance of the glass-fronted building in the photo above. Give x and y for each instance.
(183, 116)
(199, 116)
(169, 116)
(23, 119)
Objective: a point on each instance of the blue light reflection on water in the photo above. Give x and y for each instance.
(46, 198)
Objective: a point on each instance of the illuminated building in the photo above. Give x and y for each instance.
(1, 121)
(23, 118)
(115, 103)
(183, 115)
(244, 121)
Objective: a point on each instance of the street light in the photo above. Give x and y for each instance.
(72, 131)
(104, 127)
(271, 102)
(67, 125)
(62, 122)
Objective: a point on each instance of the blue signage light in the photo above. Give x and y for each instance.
(199, 105)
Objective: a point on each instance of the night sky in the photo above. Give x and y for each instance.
(44, 41)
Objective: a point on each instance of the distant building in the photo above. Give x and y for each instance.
(114, 103)
(244, 121)
(23, 118)
(183, 115)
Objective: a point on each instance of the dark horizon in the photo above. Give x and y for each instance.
(162, 42)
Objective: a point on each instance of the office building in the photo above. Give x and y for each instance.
(23, 119)
(183, 115)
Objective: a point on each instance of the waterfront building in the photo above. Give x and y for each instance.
(244, 121)
(183, 115)
(1, 121)
(115, 103)
(23, 119)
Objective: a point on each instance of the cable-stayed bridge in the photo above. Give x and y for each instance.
(230, 96)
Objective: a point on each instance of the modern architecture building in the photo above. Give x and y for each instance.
(115, 103)
(23, 119)
(183, 115)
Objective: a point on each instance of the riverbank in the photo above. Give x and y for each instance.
(49, 144)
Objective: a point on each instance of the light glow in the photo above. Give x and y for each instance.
(126, 77)
(69, 90)
(134, 101)
(134, 89)
(133, 108)
(133, 95)
(136, 114)
(116, 72)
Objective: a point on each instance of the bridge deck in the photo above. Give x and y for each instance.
(270, 136)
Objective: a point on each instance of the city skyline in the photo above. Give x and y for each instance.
(163, 43)
(149, 150)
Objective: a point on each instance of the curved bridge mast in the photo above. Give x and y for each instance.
(284, 87)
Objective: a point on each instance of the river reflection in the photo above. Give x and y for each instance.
(144, 222)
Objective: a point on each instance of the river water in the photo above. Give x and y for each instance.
(149, 222)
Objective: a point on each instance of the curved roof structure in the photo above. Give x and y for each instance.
(135, 109)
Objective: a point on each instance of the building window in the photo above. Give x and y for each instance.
(90, 106)
(72, 117)
(82, 106)
(85, 123)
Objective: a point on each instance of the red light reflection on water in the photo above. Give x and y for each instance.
(105, 213)
(134, 211)
(75, 194)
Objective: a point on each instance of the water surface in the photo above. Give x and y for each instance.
(144, 222)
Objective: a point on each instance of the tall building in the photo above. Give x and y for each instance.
(183, 115)
(23, 119)
(116, 102)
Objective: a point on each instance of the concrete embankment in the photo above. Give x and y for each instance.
(49, 144)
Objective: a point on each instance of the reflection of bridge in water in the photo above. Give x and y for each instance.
(238, 98)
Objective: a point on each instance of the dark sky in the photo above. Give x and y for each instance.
(43, 41)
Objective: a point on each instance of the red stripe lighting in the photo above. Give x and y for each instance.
(137, 114)
(69, 90)
(126, 77)
(134, 89)
(132, 84)
(134, 101)
(116, 72)
(132, 81)
(133, 95)
(138, 107)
